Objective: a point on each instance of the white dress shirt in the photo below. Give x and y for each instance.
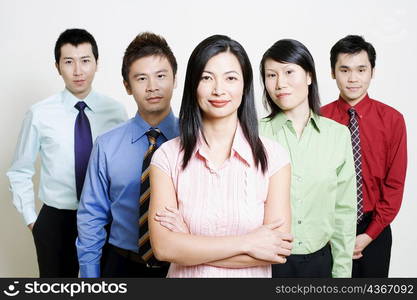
(48, 129)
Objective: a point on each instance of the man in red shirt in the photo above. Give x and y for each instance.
(379, 148)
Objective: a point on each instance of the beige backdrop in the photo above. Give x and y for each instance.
(29, 29)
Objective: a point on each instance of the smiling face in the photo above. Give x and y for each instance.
(353, 74)
(287, 84)
(220, 91)
(151, 82)
(77, 66)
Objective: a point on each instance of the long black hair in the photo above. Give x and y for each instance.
(190, 119)
(294, 52)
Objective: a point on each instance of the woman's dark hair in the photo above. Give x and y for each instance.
(294, 52)
(190, 119)
(352, 44)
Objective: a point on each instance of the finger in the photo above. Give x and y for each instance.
(172, 209)
(167, 225)
(280, 259)
(286, 245)
(284, 252)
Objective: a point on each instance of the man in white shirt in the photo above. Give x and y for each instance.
(61, 129)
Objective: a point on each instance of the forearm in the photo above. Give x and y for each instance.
(239, 261)
(186, 249)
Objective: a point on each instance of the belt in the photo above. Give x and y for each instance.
(135, 257)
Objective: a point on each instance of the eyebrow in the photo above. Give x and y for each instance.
(228, 72)
(145, 74)
(85, 56)
(347, 67)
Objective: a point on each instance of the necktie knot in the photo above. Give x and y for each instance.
(81, 105)
(352, 112)
(152, 135)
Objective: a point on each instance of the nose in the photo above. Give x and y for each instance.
(352, 77)
(218, 88)
(281, 82)
(152, 85)
(77, 68)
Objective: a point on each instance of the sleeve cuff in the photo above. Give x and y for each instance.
(29, 215)
(374, 229)
(90, 271)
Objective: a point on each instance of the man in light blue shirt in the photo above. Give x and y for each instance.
(113, 182)
(49, 129)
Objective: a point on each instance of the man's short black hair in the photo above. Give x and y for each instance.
(352, 44)
(75, 37)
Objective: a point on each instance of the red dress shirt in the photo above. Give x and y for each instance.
(384, 157)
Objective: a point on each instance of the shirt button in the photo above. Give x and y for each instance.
(299, 222)
(299, 243)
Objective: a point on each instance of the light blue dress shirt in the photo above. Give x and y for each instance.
(111, 190)
(48, 130)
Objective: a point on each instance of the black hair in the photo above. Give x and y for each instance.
(147, 44)
(352, 44)
(75, 37)
(190, 118)
(294, 52)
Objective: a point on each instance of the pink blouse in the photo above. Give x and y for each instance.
(227, 201)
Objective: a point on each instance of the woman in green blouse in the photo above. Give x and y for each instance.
(323, 186)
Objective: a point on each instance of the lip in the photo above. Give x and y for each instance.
(282, 95)
(353, 88)
(154, 99)
(79, 82)
(219, 103)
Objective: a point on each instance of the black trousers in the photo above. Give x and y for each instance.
(118, 266)
(314, 265)
(54, 234)
(376, 256)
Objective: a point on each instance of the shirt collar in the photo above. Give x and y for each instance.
(281, 119)
(240, 147)
(362, 107)
(168, 127)
(70, 100)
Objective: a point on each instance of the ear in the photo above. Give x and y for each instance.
(333, 75)
(373, 73)
(127, 87)
(308, 78)
(57, 67)
(175, 81)
(96, 65)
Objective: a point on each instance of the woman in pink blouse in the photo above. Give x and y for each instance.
(220, 194)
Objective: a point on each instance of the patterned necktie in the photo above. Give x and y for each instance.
(357, 156)
(145, 249)
(83, 143)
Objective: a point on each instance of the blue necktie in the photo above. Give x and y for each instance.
(83, 143)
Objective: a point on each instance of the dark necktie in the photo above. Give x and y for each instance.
(357, 156)
(145, 249)
(83, 143)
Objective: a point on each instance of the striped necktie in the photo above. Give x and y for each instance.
(145, 249)
(357, 156)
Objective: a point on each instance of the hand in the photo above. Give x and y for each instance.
(268, 243)
(171, 219)
(30, 226)
(362, 241)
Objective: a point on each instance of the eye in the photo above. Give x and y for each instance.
(67, 62)
(271, 75)
(289, 72)
(86, 60)
(205, 78)
(162, 76)
(362, 70)
(231, 78)
(141, 78)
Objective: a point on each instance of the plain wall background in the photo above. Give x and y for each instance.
(29, 29)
